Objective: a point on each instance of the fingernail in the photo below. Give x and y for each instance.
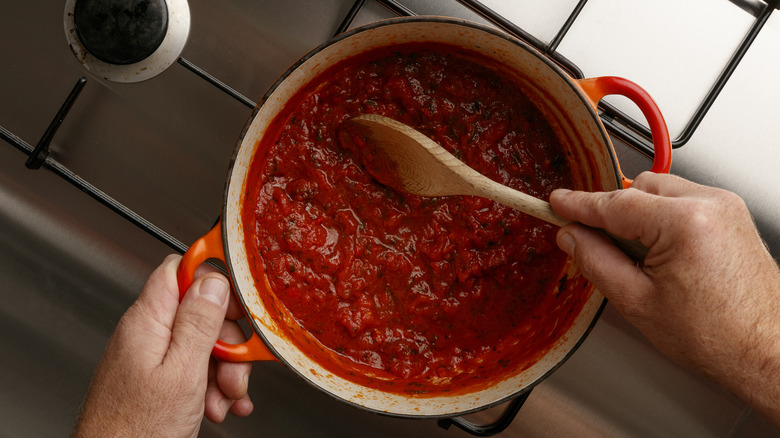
(567, 243)
(559, 192)
(214, 290)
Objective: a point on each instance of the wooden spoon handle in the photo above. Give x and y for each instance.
(541, 209)
(524, 202)
(474, 183)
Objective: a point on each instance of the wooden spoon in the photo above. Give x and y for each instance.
(407, 160)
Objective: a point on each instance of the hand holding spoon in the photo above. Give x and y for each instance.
(408, 161)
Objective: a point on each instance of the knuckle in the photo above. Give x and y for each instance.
(632, 310)
(201, 325)
(618, 202)
(734, 202)
(170, 258)
(602, 205)
(644, 179)
(695, 215)
(625, 199)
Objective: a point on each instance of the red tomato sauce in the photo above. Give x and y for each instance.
(415, 294)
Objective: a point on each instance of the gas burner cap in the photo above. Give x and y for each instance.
(127, 40)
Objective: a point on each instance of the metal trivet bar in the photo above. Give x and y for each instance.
(617, 122)
(217, 83)
(38, 156)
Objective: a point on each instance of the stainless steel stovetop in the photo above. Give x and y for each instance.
(69, 266)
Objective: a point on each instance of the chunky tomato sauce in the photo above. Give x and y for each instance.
(414, 294)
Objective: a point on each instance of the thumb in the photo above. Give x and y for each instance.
(199, 320)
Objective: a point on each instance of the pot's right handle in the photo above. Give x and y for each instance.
(597, 88)
(210, 247)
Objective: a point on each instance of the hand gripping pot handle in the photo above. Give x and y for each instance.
(597, 88)
(209, 247)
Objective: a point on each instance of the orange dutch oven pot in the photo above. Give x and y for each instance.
(569, 106)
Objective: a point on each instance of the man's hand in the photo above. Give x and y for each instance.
(708, 293)
(156, 377)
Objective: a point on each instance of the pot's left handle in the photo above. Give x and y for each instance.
(210, 247)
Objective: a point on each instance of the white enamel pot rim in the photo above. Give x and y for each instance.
(572, 114)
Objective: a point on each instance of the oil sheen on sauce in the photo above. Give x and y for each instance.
(405, 293)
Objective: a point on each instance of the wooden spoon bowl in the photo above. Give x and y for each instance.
(408, 161)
